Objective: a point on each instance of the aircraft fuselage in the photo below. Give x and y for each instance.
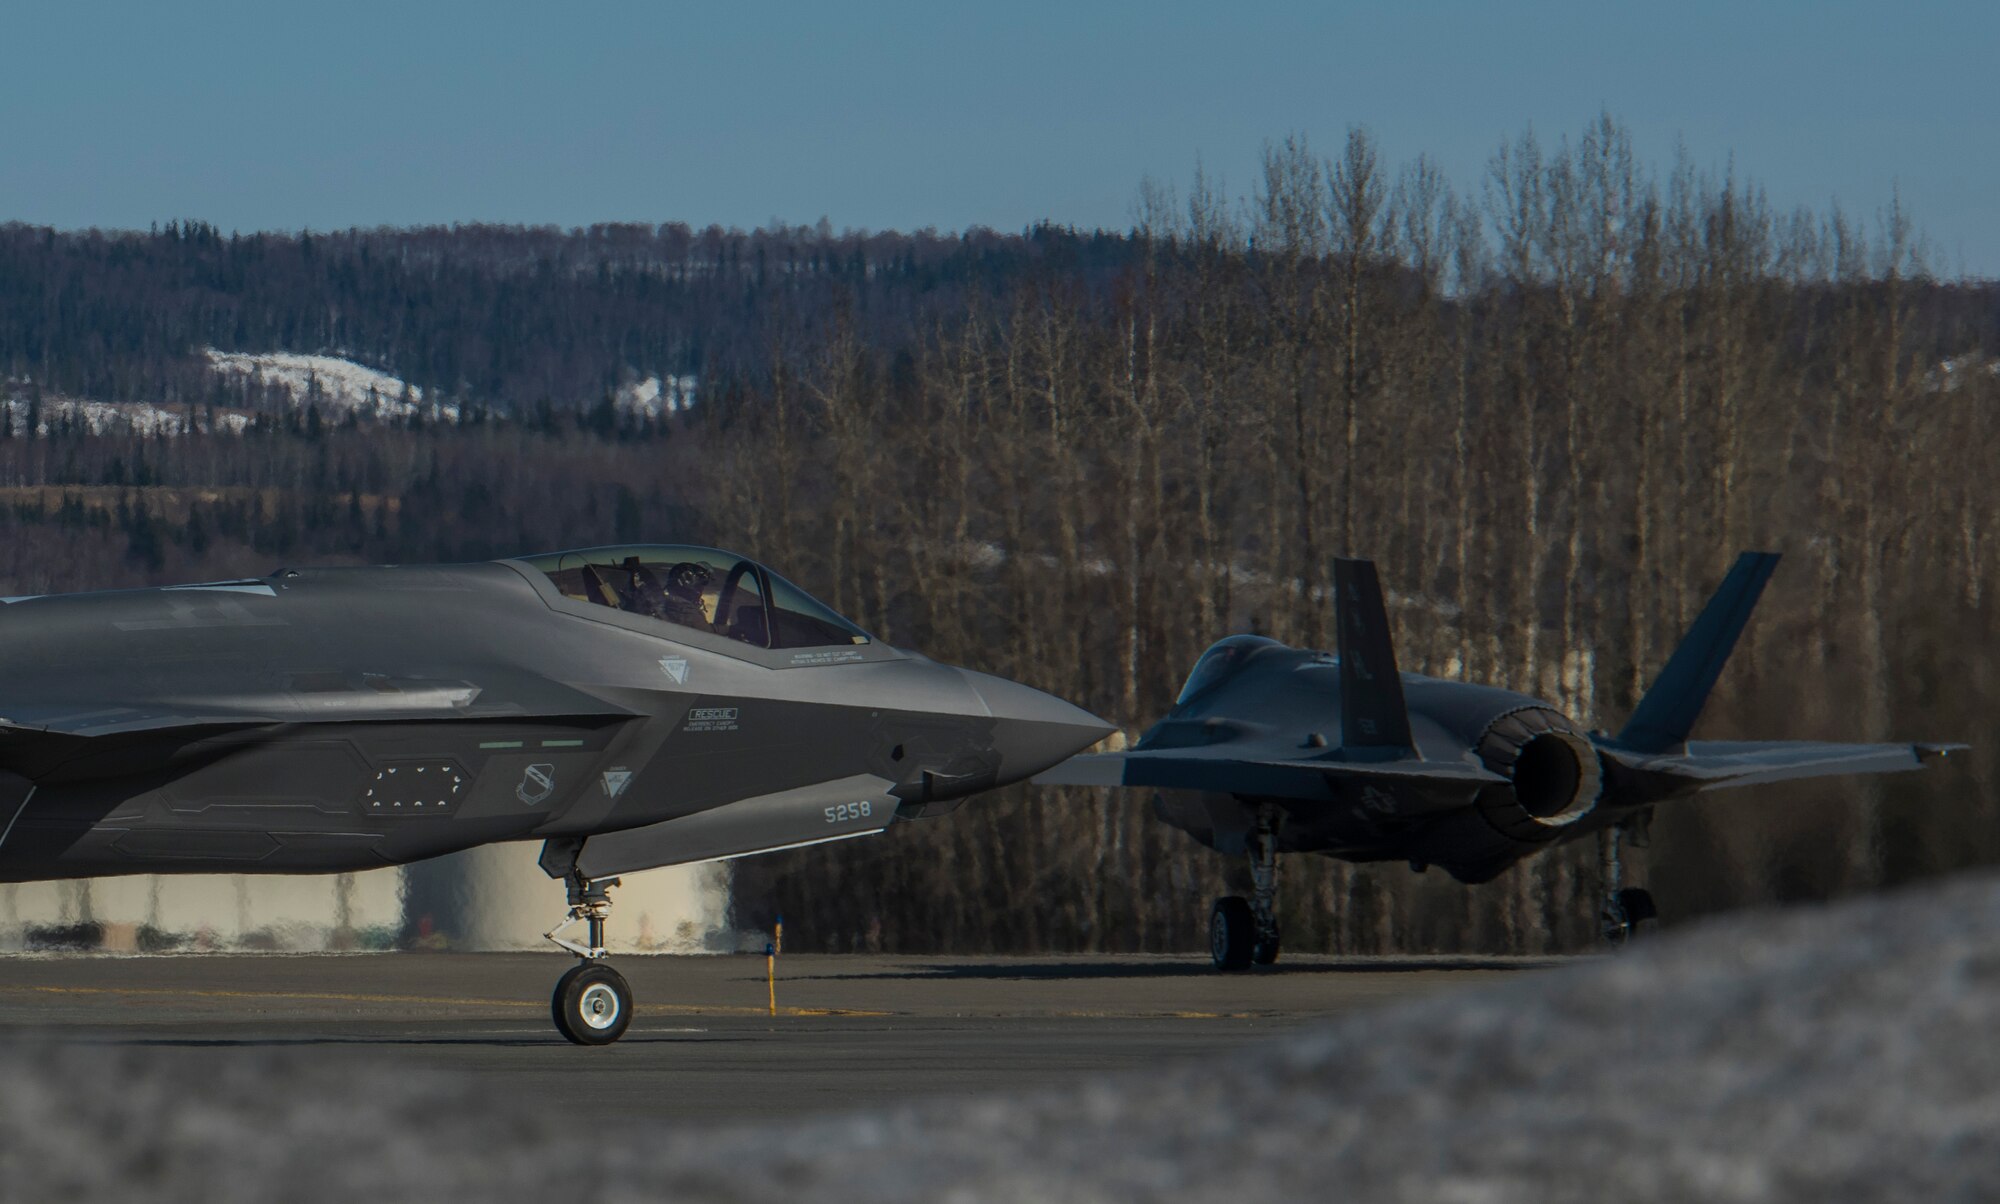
(345, 719)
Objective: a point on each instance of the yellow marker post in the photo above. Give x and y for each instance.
(778, 944)
(771, 974)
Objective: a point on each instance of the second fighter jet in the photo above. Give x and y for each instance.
(1271, 749)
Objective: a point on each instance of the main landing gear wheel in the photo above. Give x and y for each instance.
(592, 1004)
(1629, 914)
(1628, 910)
(1263, 905)
(1244, 932)
(1232, 934)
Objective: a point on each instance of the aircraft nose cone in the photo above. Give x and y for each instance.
(1033, 731)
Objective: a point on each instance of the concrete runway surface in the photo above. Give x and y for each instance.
(851, 1032)
(1821, 1053)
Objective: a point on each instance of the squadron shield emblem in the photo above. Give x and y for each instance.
(537, 783)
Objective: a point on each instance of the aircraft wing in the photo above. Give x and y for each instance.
(1706, 765)
(306, 698)
(1214, 769)
(1719, 764)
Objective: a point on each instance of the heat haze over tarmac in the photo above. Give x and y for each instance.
(850, 1030)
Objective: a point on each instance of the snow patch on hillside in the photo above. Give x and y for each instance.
(338, 386)
(655, 396)
(334, 384)
(1958, 372)
(118, 418)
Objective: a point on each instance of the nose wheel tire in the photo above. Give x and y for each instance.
(592, 1004)
(1265, 951)
(1232, 934)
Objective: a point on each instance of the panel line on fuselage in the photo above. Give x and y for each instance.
(15, 818)
(784, 847)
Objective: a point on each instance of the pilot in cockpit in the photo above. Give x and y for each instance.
(679, 594)
(689, 595)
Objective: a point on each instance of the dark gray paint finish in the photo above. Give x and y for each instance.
(268, 726)
(1472, 778)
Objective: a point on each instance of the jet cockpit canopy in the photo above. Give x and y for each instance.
(706, 589)
(1221, 662)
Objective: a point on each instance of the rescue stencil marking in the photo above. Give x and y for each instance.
(711, 719)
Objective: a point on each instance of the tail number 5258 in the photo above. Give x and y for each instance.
(845, 811)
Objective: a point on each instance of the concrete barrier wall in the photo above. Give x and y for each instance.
(160, 912)
(485, 899)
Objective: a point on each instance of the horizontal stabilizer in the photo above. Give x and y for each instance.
(1667, 713)
(1184, 769)
(1719, 764)
(1095, 769)
(1373, 718)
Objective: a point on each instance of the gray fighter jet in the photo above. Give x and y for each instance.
(629, 707)
(1465, 777)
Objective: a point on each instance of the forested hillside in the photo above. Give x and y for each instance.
(501, 318)
(1551, 403)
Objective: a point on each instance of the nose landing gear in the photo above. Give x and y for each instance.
(592, 1004)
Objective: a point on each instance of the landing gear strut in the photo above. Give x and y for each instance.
(592, 1004)
(1244, 932)
(1628, 911)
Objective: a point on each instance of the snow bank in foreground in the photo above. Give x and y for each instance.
(1844, 1053)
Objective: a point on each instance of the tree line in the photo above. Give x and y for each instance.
(505, 318)
(1552, 405)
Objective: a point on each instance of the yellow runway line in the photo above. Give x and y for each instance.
(339, 997)
(313, 996)
(733, 1010)
(691, 1009)
(1151, 1015)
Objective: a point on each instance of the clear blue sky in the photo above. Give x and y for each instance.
(885, 115)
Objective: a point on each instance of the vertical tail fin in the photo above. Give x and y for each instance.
(1372, 714)
(1666, 715)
